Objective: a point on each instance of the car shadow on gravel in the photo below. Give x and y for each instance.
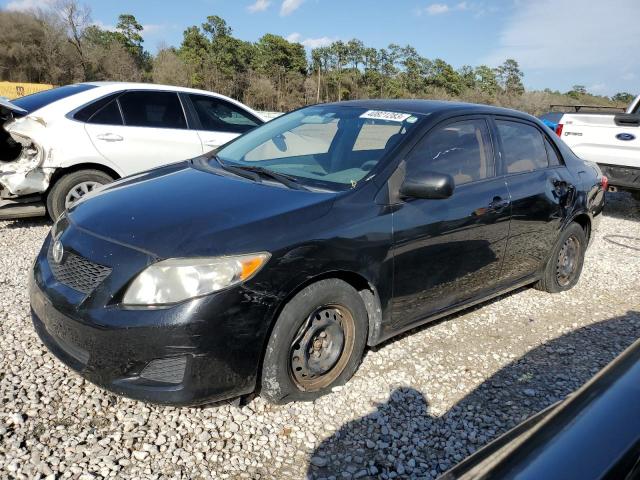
(402, 439)
(622, 205)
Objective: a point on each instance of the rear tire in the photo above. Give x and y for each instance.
(316, 344)
(564, 266)
(73, 186)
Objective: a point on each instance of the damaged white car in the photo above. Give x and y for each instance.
(59, 144)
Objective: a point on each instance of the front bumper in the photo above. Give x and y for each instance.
(203, 350)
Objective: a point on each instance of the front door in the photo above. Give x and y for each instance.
(219, 121)
(449, 251)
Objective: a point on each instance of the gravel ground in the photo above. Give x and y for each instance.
(418, 404)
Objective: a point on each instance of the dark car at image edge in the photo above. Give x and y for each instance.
(272, 262)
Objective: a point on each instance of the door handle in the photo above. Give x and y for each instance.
(109, 137)
(498, 204)
(212, 144)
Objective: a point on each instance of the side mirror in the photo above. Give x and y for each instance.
(428, 185)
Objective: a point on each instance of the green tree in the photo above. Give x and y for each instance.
(510, 77)
(129, 34)
(623, 97)
(486, 80)
(443, 75)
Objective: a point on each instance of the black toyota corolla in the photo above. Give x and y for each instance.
(274, 261)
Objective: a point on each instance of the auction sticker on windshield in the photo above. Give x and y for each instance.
(382, 115)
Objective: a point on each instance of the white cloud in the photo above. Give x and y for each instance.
(259, 6)
(548, 34)
(441, 8)
(22, 5)
(311, 42)
(436, 9)
(289, 6)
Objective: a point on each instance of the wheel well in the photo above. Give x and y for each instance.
(585, 222)
(365, 289)
(61, 172)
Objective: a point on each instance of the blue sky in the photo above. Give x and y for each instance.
(558, 43)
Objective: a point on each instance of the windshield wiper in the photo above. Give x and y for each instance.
(286, 180)
(254, 173)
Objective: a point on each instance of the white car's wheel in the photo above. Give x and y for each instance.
(71, 187)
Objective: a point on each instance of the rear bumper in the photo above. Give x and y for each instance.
(623, 177)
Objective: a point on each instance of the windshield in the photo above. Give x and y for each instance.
(33, 102)
(329, 145)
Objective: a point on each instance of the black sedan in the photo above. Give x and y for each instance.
(274, 261)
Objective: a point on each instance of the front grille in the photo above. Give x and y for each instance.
(77, 272)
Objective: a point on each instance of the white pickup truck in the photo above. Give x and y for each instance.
(610, 140)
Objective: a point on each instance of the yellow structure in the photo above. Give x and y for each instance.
(13, 90)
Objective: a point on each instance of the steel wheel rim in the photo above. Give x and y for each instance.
(322, 347)
(567, 264)
(79, 191)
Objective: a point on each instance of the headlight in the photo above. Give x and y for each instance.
(178, 279)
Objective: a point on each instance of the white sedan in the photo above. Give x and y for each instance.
(60, 144)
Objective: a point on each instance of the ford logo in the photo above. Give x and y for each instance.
(626, 137)
(57, 251)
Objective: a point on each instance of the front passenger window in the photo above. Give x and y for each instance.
(461, 149)
(217, 115)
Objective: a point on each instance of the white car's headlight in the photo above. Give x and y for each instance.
(177, 279)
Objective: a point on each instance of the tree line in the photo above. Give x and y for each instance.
(63, 45)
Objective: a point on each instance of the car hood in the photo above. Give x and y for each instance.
(180, 210)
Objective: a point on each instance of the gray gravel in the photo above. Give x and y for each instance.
(418, 404)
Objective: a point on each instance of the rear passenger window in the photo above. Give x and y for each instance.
(152, 109)
(109, 115)
(522, 147)
(460, 149)
(552, 155)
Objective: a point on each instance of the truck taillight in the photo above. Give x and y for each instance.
(604, 181)
(559, 129)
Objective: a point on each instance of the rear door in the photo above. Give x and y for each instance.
(218, 121)
(539, 186)
(140, 130)
(451, 250)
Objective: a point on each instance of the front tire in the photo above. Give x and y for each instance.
(564, 267)
(71, 187)
(316, 344)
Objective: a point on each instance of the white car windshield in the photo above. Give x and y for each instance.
(328, 145)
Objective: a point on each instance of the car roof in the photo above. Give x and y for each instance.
(149, 86)
(115, 86)
(429, 107)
